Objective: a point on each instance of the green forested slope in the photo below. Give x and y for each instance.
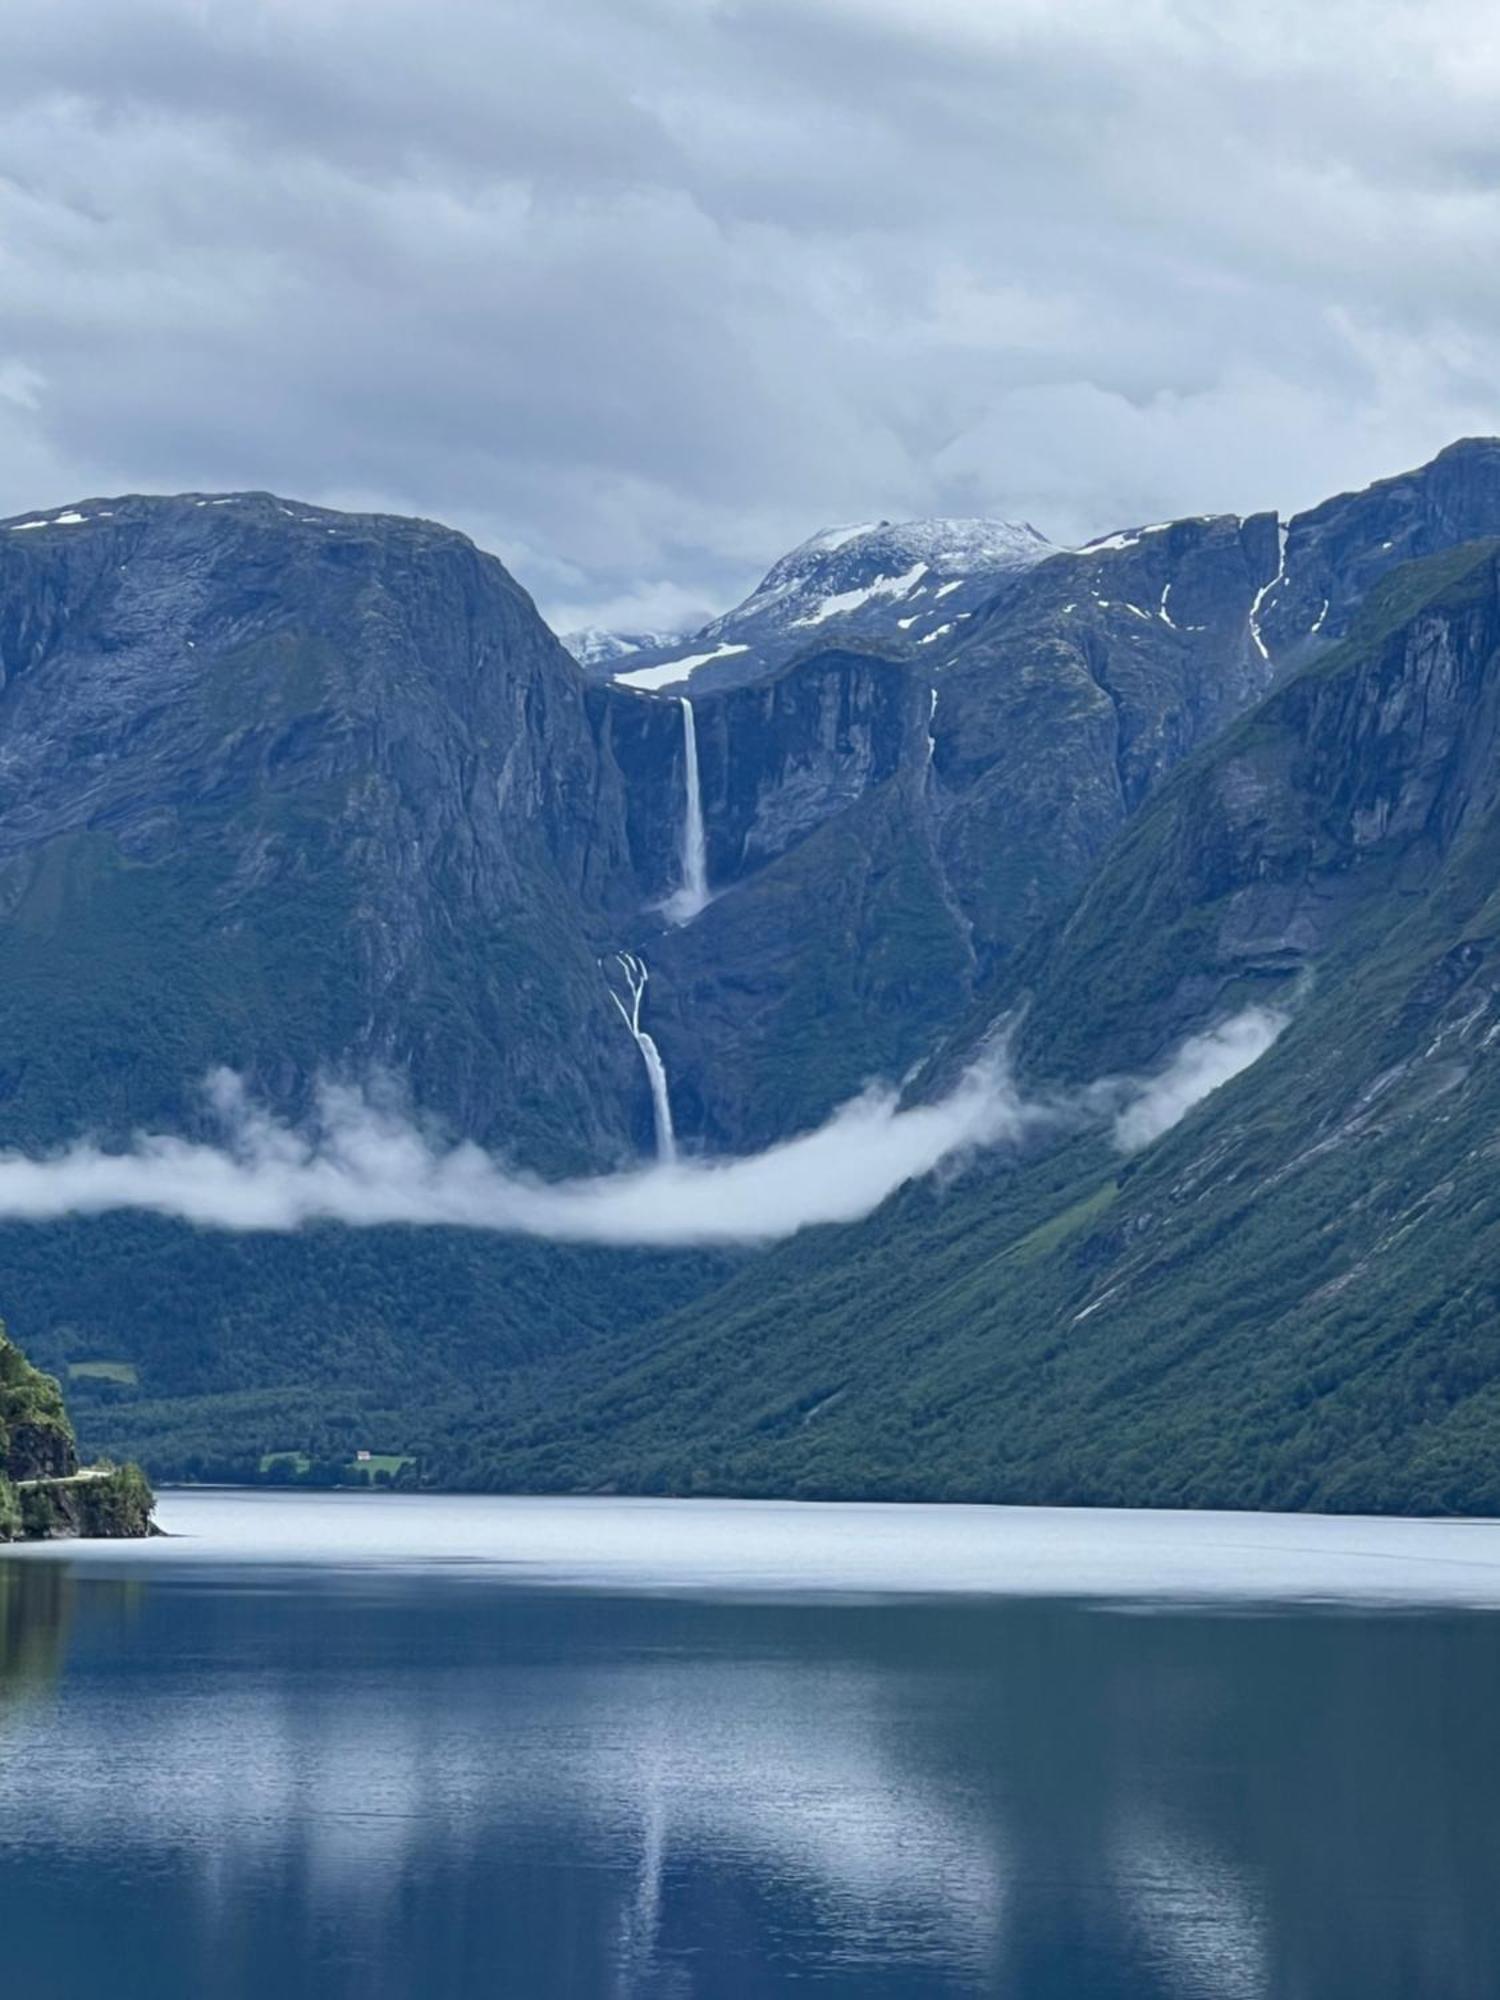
(1291, 1300)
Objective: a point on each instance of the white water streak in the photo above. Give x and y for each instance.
(692, 896)
(636, 977)
(1265, 590)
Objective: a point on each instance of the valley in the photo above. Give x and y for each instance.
(317, 799)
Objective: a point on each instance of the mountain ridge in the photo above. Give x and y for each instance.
(300, 791)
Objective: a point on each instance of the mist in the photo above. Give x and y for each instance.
(1199, 1066)
(360, 1162)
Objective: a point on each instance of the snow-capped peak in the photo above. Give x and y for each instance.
(593, 646)
(893, 584)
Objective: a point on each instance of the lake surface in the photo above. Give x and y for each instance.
(420, 1747)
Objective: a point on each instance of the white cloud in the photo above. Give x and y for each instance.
(365, 1164)
(1199, 1066)
(652, 292)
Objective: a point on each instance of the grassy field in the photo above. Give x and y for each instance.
(352, 1471)
(122, 1372)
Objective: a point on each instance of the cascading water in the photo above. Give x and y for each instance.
(685, 903)
(635, 973)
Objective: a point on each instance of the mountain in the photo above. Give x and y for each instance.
(900, 586)
(306, 789)
(1290, 1299)
(594, 647)
(307, 794)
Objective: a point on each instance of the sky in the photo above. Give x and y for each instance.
(640, 293)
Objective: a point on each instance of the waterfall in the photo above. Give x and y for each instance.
(685, 903)
(634, 970)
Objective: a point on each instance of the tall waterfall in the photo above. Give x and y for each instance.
(685, 903)
(634, 970)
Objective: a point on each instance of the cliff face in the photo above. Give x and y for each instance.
(43, 1494)
(311, 789)
(1337, 552)
(1361, 783)
(36, 1439)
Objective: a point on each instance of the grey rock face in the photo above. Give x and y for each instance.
(347, 784)
(1338, 551)
(1072, 698)
(1357, 783)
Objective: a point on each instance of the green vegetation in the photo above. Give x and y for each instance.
(292, 1464)
(42, 1490)
(36, 1439)
(301, 1468)
(1290, 1301)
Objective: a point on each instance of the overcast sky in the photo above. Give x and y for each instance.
(641, 292)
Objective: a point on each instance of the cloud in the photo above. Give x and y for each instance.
(364, 1163)
(1200, 1065)
(640, 296)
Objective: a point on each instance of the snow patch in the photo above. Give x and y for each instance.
(843, 602)
(654, 678)
(1127, 539)
(69, 520)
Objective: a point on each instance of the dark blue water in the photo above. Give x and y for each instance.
(359, 1774)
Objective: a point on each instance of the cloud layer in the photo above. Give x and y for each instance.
(365, 1164)
(642, 295)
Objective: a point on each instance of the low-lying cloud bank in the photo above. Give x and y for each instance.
(1200, 1065)
(365, 1165)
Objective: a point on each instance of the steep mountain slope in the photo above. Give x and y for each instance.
(282, 788)
(1291, 1299)
(899, 586)
(296, 791)
(1335, 553)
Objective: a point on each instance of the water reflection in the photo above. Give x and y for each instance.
(35, 1606)
(330, 1785)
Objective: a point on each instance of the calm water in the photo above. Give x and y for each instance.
(408, 1747)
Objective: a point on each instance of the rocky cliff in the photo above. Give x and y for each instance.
(43, 1493)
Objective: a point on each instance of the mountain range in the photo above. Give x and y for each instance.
(310, 795)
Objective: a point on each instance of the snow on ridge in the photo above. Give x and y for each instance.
(1127, 538)
(71, 519)
(670, 672)
(835, 538)
(842, 602)
(942, 542)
